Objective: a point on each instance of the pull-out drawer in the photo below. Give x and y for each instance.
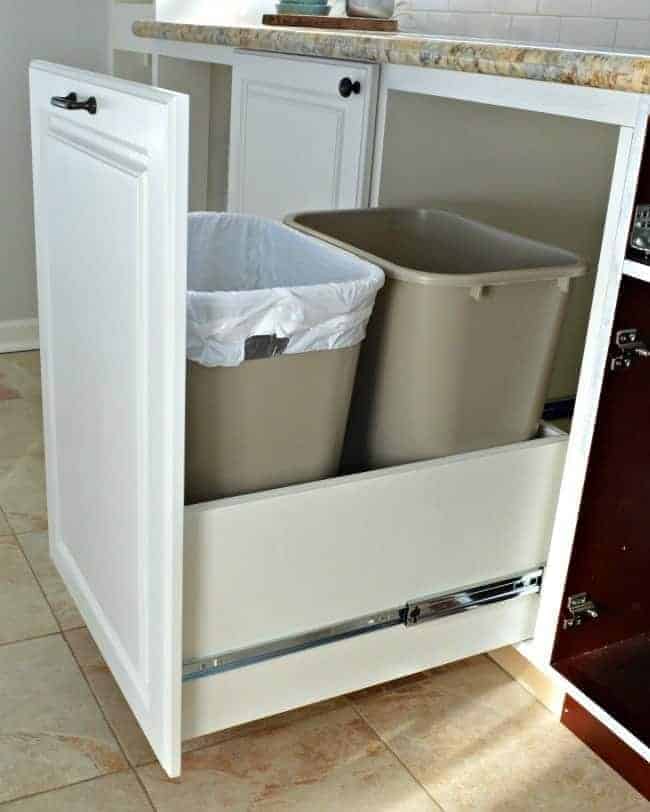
(268, 574)
(252, 583)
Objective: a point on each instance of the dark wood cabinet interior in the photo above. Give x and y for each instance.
(608, 656)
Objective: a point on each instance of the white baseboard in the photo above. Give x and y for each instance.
(18, 335)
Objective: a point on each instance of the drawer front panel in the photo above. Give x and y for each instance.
(273, 565)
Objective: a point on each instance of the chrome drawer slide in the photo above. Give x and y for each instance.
(408, 614)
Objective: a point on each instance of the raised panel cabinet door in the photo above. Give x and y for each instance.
(110, 188)
(301, 134)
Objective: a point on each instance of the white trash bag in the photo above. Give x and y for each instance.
(257, 288)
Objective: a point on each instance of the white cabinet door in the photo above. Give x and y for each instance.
(111, 207)
(298, 142)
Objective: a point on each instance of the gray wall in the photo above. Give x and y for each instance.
(74, 32)
(543, 176)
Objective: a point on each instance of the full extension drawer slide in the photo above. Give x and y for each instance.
(409, 614)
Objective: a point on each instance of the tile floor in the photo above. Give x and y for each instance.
(462, 737)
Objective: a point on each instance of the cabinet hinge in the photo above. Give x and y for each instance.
(580, 608)
(640, 236)
(409, 614)
(629, 348)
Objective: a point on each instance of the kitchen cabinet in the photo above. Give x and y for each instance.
(216, 614)
(301, 134)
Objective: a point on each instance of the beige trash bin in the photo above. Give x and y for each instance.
(460, 346)
(275, 322)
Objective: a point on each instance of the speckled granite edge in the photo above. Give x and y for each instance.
(587, 69)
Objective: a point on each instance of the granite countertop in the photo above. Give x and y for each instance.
(599, 69)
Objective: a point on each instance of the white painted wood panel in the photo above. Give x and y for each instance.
(610, 269)
(275, 564)
(636, 270)
(296, 143)
(111, 207)
(233, 697)
(594, 104)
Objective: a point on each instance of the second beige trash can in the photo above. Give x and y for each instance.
(460, 346)
(275, 322)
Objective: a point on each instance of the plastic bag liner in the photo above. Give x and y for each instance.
(254, 283)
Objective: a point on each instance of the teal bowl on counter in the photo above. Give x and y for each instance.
(300, 8)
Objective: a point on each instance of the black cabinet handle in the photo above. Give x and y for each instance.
(347, 87)
(70, 102)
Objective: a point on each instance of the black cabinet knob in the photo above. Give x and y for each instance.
(347, 87)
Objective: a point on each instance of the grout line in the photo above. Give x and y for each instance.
(3, 515)
(51, 790)
(28, 639)
(395, 755)
(40, 586)
(131, 767)
(143, 787)
(38, 581)
(94, 696)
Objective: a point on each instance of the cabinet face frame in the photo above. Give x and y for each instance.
(629, 112)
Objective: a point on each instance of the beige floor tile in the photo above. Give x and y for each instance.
(267, 724)
(125, 725)
(52, 732)
(22, 493)
(21, 430)
(21, 372)
(110, 698)
(112, 793)
(36, 548)
(328, 762)
(24, 612)
(5, 530)
(478, 741)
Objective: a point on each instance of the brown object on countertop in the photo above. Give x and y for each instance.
(338, 23)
